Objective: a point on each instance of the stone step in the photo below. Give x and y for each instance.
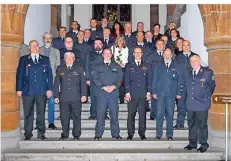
(86, 115)
(90, 133)
(91, 123)
(177, 154)
(86, 107)
(106, 143)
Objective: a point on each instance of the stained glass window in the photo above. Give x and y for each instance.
(98, 11)
(113, 11)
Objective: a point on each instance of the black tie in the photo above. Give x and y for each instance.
(194, 75)
(167, 65)
(138, 63)
(160, 53)
(35, 60)
(63, 39)
(127, 36)
(69, 68)
(107, 64)
(105, 41)
(186, 56)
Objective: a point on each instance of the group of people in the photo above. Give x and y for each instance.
(110, 65)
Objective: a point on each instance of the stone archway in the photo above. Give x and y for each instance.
(12, 32)
(216, 20)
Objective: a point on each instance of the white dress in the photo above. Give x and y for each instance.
(120, 55)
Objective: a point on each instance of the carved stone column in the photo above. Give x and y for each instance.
(217, 23)
(12, 28)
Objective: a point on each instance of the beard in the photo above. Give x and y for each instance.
(47, 44)
(98, 48)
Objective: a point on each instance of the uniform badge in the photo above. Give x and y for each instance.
(114, 70)
(173, 69)
(132, 68)
(213, 78)
(61, 73)
(143, 67)
(202, 82)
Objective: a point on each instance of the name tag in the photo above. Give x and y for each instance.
(114, 70)
(75, 73)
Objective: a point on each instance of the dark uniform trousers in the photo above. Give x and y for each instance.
(28, 109)
(72, 86)
(137, 103)
(107, 75)
(70, 109)
(197, 121)
(137, 83)
(166, 84)
(34, 79)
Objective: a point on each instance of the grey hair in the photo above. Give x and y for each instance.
(148, 32)
(117, 39)
(47, 33)
(69, 53)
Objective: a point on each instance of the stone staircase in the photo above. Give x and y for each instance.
(107, 149)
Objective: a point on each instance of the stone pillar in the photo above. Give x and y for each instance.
(54, 22)
(217, 23)
(12, 28)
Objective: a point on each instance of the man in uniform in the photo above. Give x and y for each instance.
(107, 77)
(34, 83)
(93, 59)
(166, 88)
(138, 91)
(108, 41)
(95, 32)
(200, 86)
(54, 57)
(152, 61)
(58, 42)
(70, 79)
(183, 60)
(74, 31)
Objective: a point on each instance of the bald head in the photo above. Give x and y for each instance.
(186, 46)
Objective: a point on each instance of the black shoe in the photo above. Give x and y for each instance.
(157, 138)
(63, 138)
(42, 137)
(97, 137)
(92, 118)
(148, 109)
(28, 138)
(169, 138)
(203, 148)
(35, 128)
(189, 147)
(118, 137)
(52, 126)
(130, 137)
(107, 118)
(178, 126)
(143, 137)
(151, 118)
(76, 138)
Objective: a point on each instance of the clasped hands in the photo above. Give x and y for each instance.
(109, 89)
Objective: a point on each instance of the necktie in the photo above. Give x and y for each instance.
(105, 41)
(69, 68)
(167, 65)
(186, 56)
(63, 39)
(194, 75)
(127, 36)
(35, 60)
(160, 53)
(107, 64)
(138, 63)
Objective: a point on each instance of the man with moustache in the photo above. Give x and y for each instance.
(54, 57)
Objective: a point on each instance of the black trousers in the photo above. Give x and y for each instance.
(198, 127)
(140, 104)
(122, 89)
(70, 109)
(28, 109)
